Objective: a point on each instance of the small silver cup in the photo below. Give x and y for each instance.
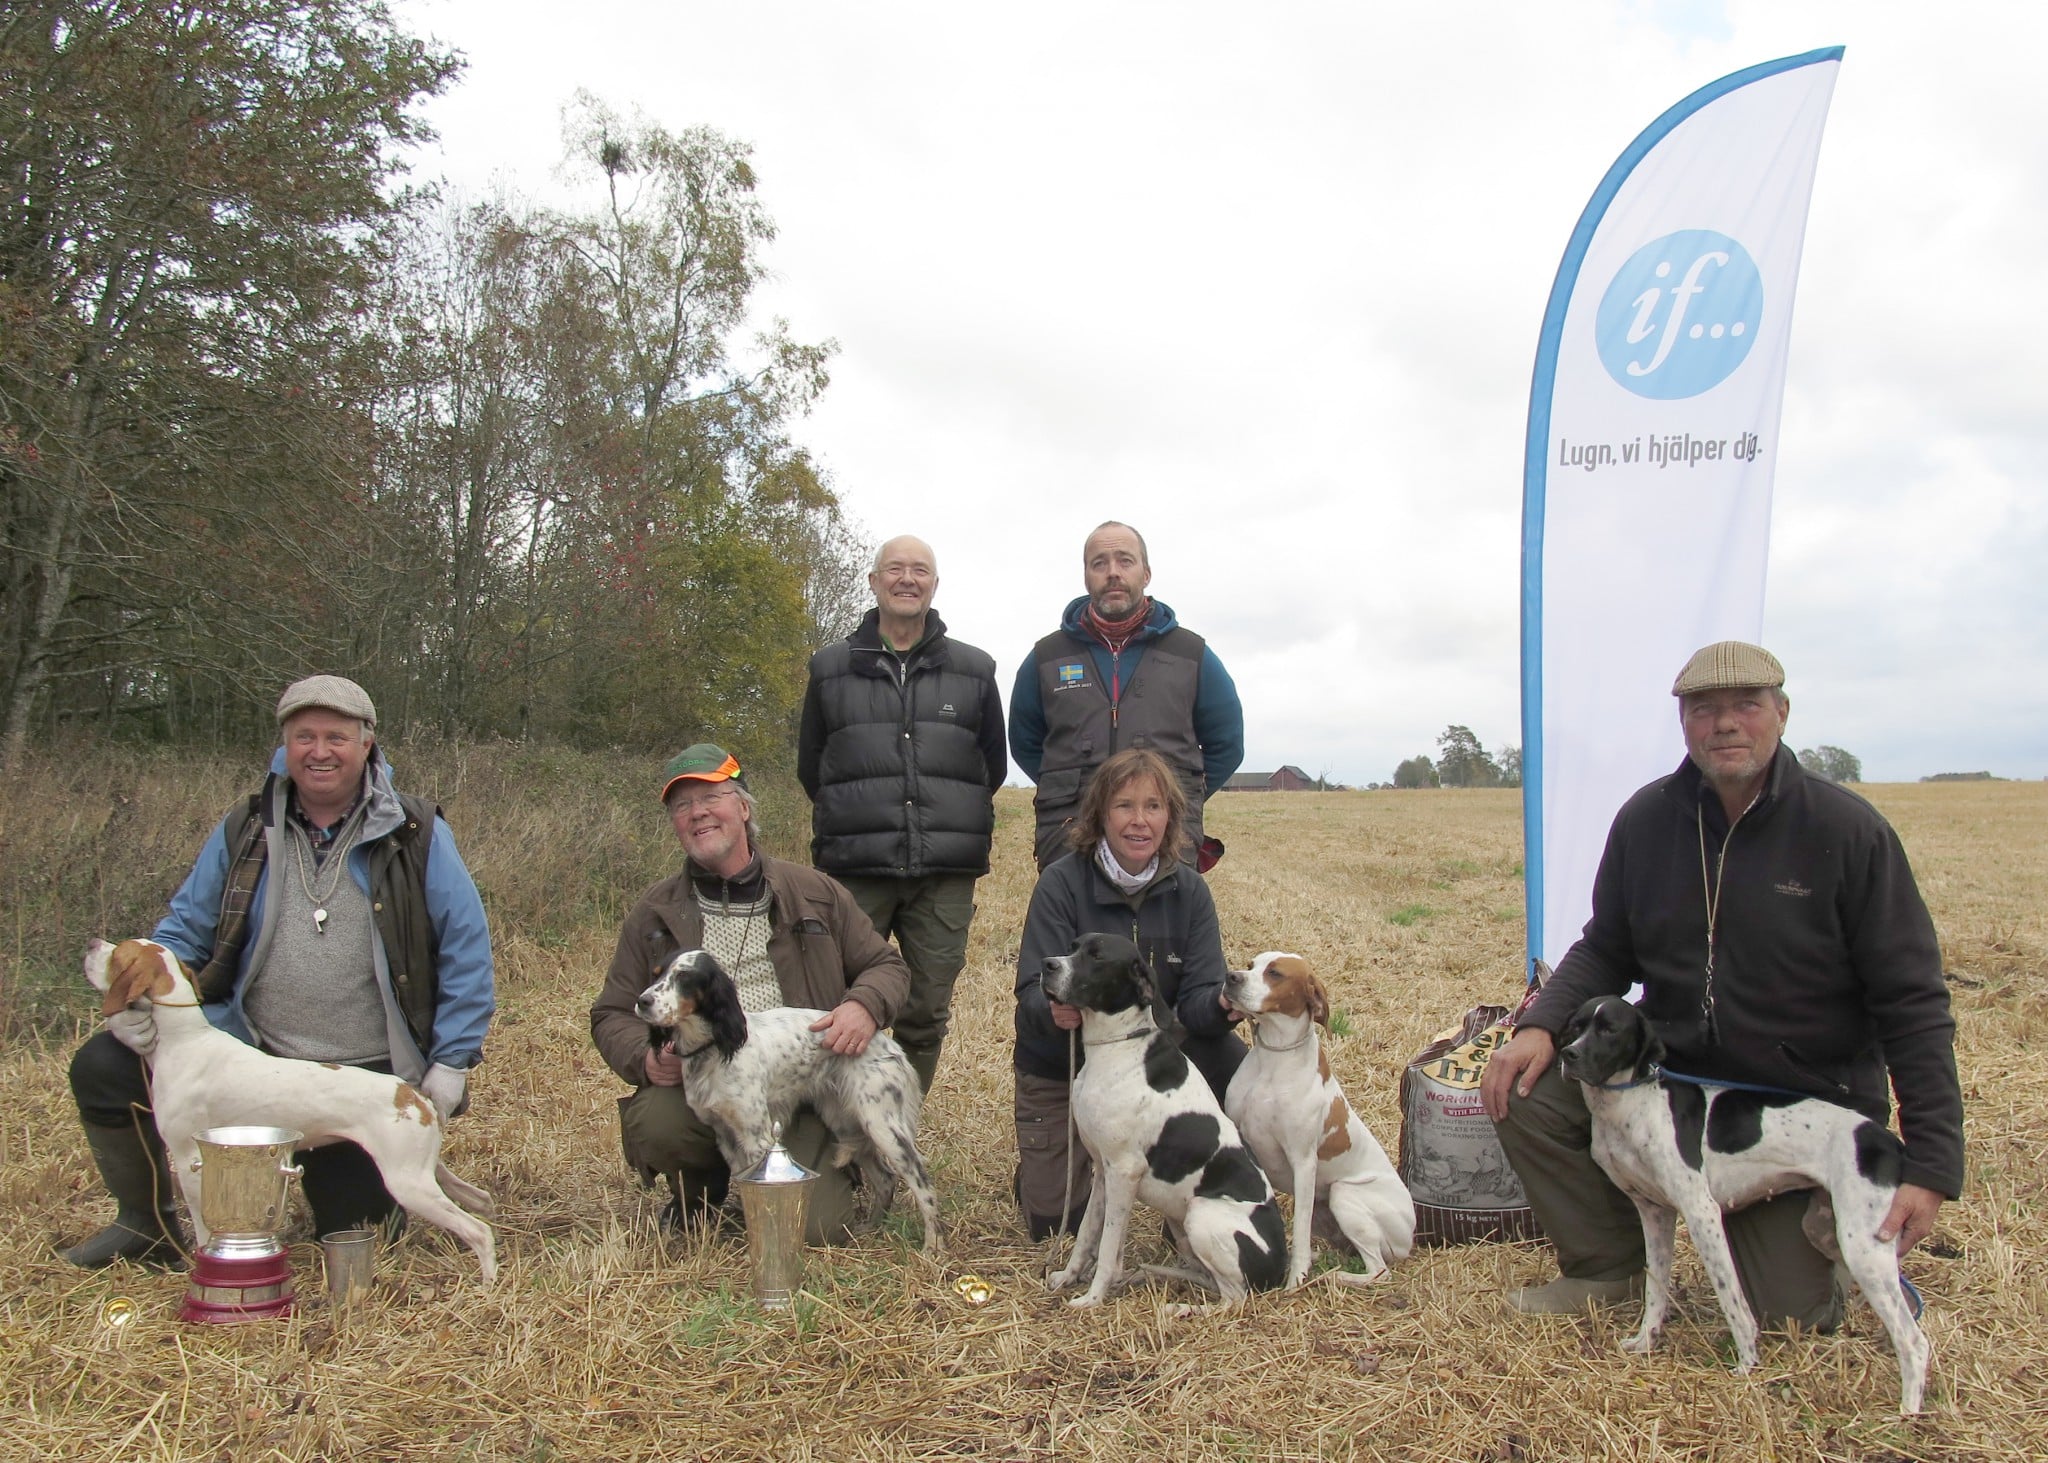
(776, 1194)
(350, 1256)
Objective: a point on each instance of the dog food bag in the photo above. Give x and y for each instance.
(1451, 1160)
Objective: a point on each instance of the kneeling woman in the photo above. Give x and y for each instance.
(1126, 876)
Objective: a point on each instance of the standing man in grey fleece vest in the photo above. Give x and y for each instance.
(1121, 671)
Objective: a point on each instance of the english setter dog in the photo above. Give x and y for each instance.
(742, 1074)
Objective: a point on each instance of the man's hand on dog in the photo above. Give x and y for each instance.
(1912, 1216)
(664, 1067)
(1065, 1017)
(846, 1029)
(135, 1030)
(1516, 1065)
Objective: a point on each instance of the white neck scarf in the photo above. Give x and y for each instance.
(1123, 879)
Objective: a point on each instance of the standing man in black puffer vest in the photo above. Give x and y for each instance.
(902, 750)
(1122, 672)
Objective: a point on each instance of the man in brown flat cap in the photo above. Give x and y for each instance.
(328, 917)
(1774, 925)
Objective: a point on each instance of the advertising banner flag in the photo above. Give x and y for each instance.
(1653, 423)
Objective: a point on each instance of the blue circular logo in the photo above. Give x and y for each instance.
(1680, 316)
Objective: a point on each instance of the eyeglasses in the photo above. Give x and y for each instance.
(680, 804)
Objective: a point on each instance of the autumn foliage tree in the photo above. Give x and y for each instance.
(193, 206)
(526, 471)
(627, 544)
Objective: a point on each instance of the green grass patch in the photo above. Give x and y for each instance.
(1409, 914)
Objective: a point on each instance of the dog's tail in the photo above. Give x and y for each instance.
(465, 1193)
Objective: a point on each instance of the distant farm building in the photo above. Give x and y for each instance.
(1287, 779)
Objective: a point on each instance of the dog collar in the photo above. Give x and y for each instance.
(1665, 1074)
(1655, 1076)
(1113, 1040)
(1259, 1037)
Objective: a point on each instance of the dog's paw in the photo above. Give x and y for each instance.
(1640, 1344)
(1060, 1280)
(1190, 1310)
(1085, 1301)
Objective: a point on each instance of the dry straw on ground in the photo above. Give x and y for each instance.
(603, 1341)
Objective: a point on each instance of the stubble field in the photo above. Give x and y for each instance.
(603, 1340)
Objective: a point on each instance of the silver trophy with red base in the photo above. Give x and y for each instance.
(242, 1272)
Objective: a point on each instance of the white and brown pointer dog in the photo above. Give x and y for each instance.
(742, 1074)
(1157, 1133)
(204, 1078)
(1305, 1135)
(1680, 1148)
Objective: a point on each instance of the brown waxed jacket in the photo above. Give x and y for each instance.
(823, 948)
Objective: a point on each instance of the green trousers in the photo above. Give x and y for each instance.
(928, 919)
(663, 1136)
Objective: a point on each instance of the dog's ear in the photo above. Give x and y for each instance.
(1148, 995)
(718, 1003)
(1318, 1002)
(1652, 1053)
(135, 970)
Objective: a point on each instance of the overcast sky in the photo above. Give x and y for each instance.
(1265, 281)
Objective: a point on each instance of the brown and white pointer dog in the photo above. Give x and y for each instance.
(1305, 1135)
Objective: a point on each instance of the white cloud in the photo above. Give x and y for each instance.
(1266, 282)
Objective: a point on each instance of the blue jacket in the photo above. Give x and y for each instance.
(1219, 716)
(465, 998)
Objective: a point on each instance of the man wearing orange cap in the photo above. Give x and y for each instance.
(788, 935)
(1773, 922)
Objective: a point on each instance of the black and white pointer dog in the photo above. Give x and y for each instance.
(1157, 1133)
(1681, 1148)
(743, 1074)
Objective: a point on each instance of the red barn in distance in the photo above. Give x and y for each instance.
(1287, 779)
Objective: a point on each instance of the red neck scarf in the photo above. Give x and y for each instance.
(1114, 633)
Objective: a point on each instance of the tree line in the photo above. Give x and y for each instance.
(1462, 761)
(266, 407)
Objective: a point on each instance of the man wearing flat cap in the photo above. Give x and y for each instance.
(368, 948)
(1774, 926)
(788, 935)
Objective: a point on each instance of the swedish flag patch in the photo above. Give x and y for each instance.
(1073, 673)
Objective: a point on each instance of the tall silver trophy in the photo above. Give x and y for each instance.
(776, 1195)
(242, 1272)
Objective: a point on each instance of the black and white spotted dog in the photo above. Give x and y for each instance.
(1157, 1133)
(1681, 1148)
(742, 1074)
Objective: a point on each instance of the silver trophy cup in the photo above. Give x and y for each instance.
(776, 1195)
(242, 1272)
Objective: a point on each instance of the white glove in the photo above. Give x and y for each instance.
(135, 1030)
(446, 1088)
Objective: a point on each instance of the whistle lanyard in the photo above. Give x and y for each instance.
(1710, 891)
